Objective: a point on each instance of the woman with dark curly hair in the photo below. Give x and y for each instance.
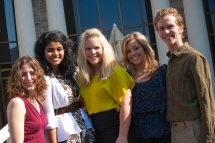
(67, 122)
(26, 86)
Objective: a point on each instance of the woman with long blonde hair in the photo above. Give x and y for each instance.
(105, 88)
(149, 92)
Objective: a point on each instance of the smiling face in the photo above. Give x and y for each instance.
(54, 54)
(170, 32)
(28, 78)
(93, 51)
(135, 53)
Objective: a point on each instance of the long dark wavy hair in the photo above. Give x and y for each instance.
(69, 63)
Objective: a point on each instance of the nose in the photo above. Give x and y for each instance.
(55, 53)
(28, 76)
(93, 51)
(166, 30)
(132, 52)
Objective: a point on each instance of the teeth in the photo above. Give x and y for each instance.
(168, 37)
(93, 56)
(135, 57)
(29, 83)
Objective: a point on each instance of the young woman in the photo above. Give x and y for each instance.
(149, 92)
(26, 86)
(66, 121)
(105, 88)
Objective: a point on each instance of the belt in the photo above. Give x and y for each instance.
(184, 123)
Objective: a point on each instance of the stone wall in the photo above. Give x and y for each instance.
(40, 16)
(178, 4)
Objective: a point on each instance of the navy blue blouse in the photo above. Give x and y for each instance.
(149, 106)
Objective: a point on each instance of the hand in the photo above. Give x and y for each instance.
(122, 139)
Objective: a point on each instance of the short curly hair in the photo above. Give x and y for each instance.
(168, 11)
(14, 86)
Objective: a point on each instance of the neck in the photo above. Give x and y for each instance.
(142, 67)
(97, 68)
(55, 68)
(175, 47)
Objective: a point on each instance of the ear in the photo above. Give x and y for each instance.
(181, 29)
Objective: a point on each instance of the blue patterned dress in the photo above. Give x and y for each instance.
(149, 106)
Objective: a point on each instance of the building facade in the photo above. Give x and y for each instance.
(23, 21)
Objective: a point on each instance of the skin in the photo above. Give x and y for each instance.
(28, 79)
(170, 32)
(16, 105)
(16, 121)
(94, 52)
(54, 54)
(125, 118)
(135, 53)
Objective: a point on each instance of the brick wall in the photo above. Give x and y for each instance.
(178, 4)
(40, 16)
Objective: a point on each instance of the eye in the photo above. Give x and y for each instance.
(136, 48)
(32, 73)
(96, 48)
(127, 51)
(88, 49)
(50, 50)
(23, 74)
(161, 28)
(171, 26)
(59, 49)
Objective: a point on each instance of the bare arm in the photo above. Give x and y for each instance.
(52, 135)
(16, 117)
(125, 117)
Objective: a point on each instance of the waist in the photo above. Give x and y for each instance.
(184, 123)
(73, 107)
(105, 119)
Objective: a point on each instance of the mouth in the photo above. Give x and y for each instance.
(168, 37)
(56, 59)
(94, 57)
(134, 58)
(29, 84)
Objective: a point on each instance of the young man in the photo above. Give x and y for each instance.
(190, 99)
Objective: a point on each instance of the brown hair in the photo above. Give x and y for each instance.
(149, 52)
(168, 11)
(14, 86)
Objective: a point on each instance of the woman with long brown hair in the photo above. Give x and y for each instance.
(26, 86)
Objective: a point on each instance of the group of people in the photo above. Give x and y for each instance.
(98, 99)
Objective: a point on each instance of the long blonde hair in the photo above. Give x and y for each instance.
(86, 70)
(149, 52)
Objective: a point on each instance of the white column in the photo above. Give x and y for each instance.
(197, 31)
(161, 46)
(56, 16)
(26, 34)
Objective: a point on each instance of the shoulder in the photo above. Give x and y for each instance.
(15, 103)
(119, 69)
(120, 72)
(162, 68)
(192, 53)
